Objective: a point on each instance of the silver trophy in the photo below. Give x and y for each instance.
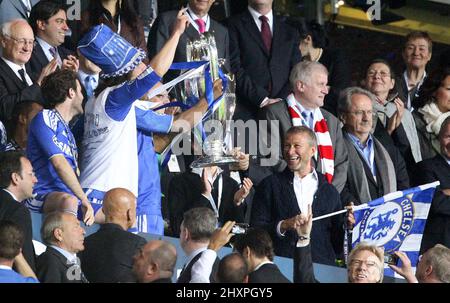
(214, 134)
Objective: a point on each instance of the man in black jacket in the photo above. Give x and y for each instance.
(16, 182)
(256, 247)
(108, 254)
(64, 237)
(281, 197)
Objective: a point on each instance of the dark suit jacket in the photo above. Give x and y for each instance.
(13, 9)
(162, 29)
(108, 254)
(53, 267)
(13, 90)
(38, 59)
(303, 265)
(185, 192)
(275, 200)
(260, 74)
(18, 213)
(279, 111)
(437, 229)
(268, 273)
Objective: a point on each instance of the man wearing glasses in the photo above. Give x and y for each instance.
(371, 172)
(17, 82)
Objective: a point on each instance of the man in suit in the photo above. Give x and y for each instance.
(232, 269)
(197, 227)
(49, 22)
(263, 49)
(200, 22)
(281, 197)
(13, 9)
(437, 229)
(11, 242)
(371, 172)
(303, 107)
(64, 237)
(257, 248)
(108, 254)
(155, 262)
(17, 82)
(17, 180)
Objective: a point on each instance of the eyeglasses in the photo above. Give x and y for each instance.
(22, 42)
(360, 113)
(383, 74)
(357, 263)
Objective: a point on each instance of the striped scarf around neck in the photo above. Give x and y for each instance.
(324, 144)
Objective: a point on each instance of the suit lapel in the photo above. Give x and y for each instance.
(252, 29)
(20, 7)
(39, 54)
(6, 70)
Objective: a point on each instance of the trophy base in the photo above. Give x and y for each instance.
(213, 161)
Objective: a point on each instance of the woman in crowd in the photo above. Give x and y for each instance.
(398, 122)
(120, 16)
(433, 106)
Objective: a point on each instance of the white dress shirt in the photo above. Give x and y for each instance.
(192, 17)
(305, 188)
(46, 48)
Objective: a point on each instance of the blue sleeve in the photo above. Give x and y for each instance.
(149, 121)
(119, 100)
(45, 135)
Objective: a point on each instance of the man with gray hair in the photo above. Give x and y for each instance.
(196, 229)
(371, 172)
(17, 82)
(303, 107)
(433, 266)
(64, 237)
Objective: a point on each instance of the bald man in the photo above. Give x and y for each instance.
(108, 253)
(155, 262)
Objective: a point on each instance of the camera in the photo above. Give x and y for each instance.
(391, 259)
(239, 228)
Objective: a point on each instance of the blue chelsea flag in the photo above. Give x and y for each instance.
(395, 221)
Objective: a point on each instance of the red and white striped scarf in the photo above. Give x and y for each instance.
(324, 145)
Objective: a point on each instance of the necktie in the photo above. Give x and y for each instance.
(308, 119)
(201, 25)
(89, 85)
(265, 32)
(53, 51)
(22, 76)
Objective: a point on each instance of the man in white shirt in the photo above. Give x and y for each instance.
(282, 197)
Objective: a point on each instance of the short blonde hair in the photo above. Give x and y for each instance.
(377, 251)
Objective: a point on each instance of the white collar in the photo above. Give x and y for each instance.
(12, 195)
(192, 17)
(256, 16)
(72, 258)
(194, 253)
(82, 75)
(261, 264)
(44, 44)
(5, 267)
(14, 66)
(199, 171)
(312, 175)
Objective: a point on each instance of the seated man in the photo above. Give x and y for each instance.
(11, 242)
(196, 229)
(256, 247)
(17, 180)
(365, 262)
(437, 229)
(64, 237)
(232, 269)
(371, 172)
(53, 151)
(155, 262)
(433, 267)
(108, 254)
(281, 197)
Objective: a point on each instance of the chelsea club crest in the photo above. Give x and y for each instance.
(388, 224)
